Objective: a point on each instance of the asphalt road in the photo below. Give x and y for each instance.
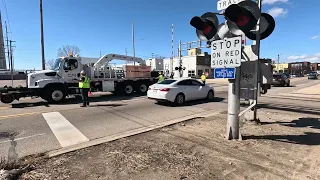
(37, 127)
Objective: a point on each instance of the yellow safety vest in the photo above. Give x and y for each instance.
(85, 84)
(161, 78)
(203, 77)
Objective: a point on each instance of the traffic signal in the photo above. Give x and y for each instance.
(206, 26)
(243, 18)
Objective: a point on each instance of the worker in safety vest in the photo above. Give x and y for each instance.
(203, 78)
(84, 85)
(160, 77)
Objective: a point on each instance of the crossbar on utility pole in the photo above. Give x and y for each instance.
(42, 37)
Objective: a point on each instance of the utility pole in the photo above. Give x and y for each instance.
(180, 60)
(133, 45)
(100, 54)
(126, 54)
(278, 62)
(11, 61)
(172, 50)
(7, 42)
(42, 38)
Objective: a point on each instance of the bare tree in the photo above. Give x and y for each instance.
(50, 64)
(66, 50)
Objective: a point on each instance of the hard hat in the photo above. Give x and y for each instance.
(82, 72)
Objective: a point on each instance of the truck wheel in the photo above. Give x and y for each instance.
(8, 98)
(143, 88)
(128, 89)
(55, 95)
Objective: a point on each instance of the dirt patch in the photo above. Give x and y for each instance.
(284, 146)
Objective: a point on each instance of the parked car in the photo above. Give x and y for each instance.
(313, 75)
(280, 80)
(180, 90)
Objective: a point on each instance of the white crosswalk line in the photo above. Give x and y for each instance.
(64, 131)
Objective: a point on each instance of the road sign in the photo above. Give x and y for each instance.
(226, 53)
(223, 4)
(227, 73)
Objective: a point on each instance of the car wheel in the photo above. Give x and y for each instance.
(210, 95)
(180, 99)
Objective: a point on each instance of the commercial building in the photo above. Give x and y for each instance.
(315, 66)
(299, 68)
(155, 63)
(195, 63)
(281, 68)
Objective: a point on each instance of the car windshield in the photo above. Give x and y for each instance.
(168, 81)
(56, 65)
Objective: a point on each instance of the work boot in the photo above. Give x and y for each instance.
(83, 106)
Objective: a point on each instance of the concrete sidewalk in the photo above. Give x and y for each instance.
(312, 92)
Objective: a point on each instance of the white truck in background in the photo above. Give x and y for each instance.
(55, 84)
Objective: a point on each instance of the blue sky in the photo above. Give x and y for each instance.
(106, 26)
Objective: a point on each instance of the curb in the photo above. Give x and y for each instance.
(294, 98)
(126, 134)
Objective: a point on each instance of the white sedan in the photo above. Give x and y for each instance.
(180, 90)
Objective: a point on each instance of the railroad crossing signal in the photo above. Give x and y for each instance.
(206, 25)
(243, 18)
(180, 68)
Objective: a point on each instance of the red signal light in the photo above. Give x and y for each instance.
(206, 29)
(242, 20)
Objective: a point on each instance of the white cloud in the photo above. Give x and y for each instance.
(314, 57)
(315, 37)
(296, 57)
(277, 12)
(274, 1)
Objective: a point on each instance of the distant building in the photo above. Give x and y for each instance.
(315, 66)
(195, 63)
(281, 68)
(299, 68)
(155, 63)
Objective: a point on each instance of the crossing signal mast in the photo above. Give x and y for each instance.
(242, 19)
